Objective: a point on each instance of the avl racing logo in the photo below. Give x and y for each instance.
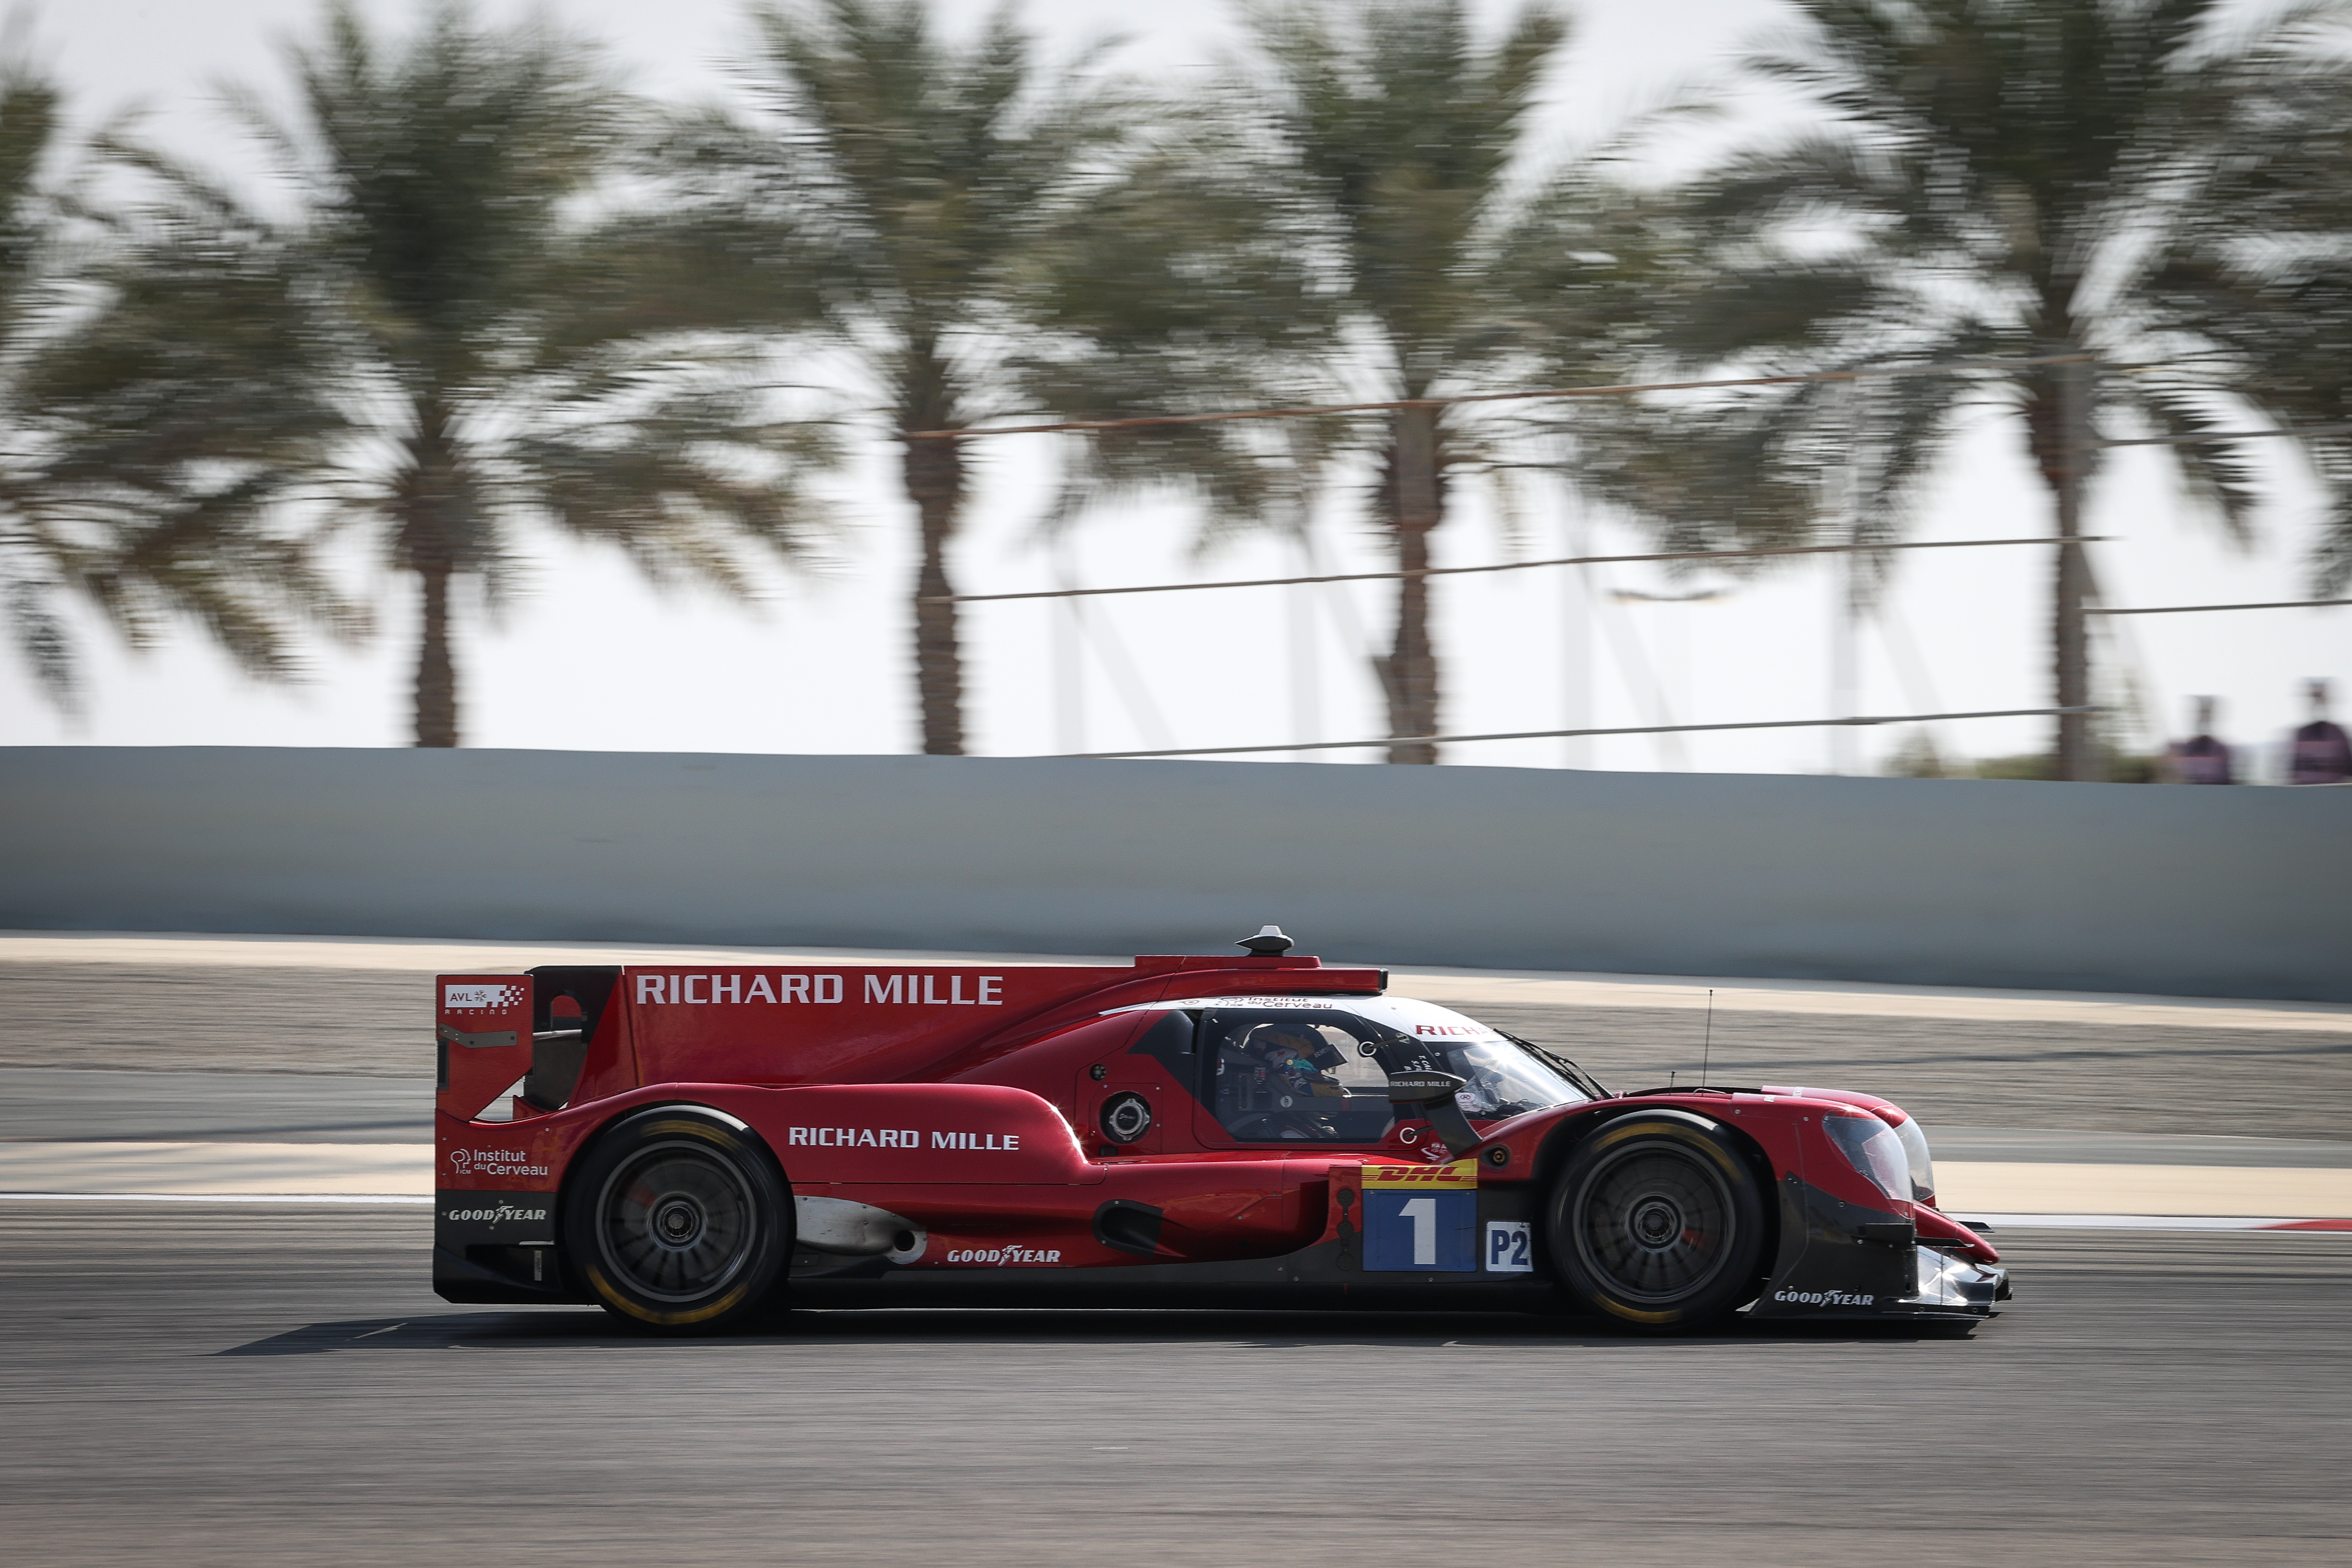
(479, 998)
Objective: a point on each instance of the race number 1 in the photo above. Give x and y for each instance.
(1506, 1248)
(1422, 1217)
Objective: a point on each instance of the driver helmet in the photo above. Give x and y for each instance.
(1291, 1047)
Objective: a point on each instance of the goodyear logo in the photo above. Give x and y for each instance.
(1461, 1175)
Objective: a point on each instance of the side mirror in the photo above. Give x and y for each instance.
(1426, 1087)
(1423, 1087)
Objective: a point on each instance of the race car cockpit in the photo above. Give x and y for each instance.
(1323, 1076)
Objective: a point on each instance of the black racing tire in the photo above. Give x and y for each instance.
(680, 1221)
(1658, 1221)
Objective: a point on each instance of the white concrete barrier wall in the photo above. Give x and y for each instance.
(2232, 892)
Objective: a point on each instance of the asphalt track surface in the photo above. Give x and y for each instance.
(200, 1385)
(216, 1106)
(255, 1384)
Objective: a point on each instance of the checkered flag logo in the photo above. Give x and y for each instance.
(479, 998)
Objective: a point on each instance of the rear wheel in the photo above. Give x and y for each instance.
(677, 1221)
(1658, 1222)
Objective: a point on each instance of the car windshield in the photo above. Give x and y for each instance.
(1503, 1079)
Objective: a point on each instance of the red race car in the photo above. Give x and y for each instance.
(691, 1147)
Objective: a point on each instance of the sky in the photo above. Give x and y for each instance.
(588, 656)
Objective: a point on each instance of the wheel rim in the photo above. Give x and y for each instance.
(1655, 1226)
(675, 1222)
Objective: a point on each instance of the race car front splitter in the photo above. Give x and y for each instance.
(1843, 1259)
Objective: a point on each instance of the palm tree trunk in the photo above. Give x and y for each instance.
(2058, 422)
(437, 673)
(935, 484)
(1411, 664)
(933, 471)
(431, 502)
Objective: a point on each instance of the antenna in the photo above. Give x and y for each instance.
(1707, 1050)
(1269, 942)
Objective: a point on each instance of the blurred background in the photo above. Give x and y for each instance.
(592, 334)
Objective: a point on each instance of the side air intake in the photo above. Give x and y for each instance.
(1124, 1225)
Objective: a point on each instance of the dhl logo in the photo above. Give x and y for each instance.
(1461, 1173)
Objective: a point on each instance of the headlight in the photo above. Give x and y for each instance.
(1915, 1154)
(1871, 1147)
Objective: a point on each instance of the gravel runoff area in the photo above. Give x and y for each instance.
(2061, 1066)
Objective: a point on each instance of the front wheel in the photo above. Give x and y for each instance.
(677, 1221)
(1658, 1222)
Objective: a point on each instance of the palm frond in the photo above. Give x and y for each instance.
(41, 638)
(2224, 477)
(675, 466)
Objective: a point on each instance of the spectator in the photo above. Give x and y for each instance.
(2201, 759)
(2319, 753)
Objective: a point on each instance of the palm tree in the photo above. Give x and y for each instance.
(110, 508)
(2007, 177)
(910, 177)
(1396, 130)
(434, 349)
(2272, 289)
(1213, 275)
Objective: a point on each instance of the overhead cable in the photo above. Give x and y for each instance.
(1566, 734)
(1141, 421)
(1505, 566)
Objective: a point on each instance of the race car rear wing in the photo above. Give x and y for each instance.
(481, 1039)
(525, 1034)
